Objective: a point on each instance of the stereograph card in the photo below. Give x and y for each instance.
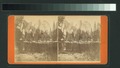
(57, 39)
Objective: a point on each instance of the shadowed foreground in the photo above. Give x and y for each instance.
(73, 52)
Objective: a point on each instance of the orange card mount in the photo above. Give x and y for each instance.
(57, 39)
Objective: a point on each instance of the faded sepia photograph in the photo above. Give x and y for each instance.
(57, 38)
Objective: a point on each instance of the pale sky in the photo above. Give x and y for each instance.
(74, 20)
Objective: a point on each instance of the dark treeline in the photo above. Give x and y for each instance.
(25, 31)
